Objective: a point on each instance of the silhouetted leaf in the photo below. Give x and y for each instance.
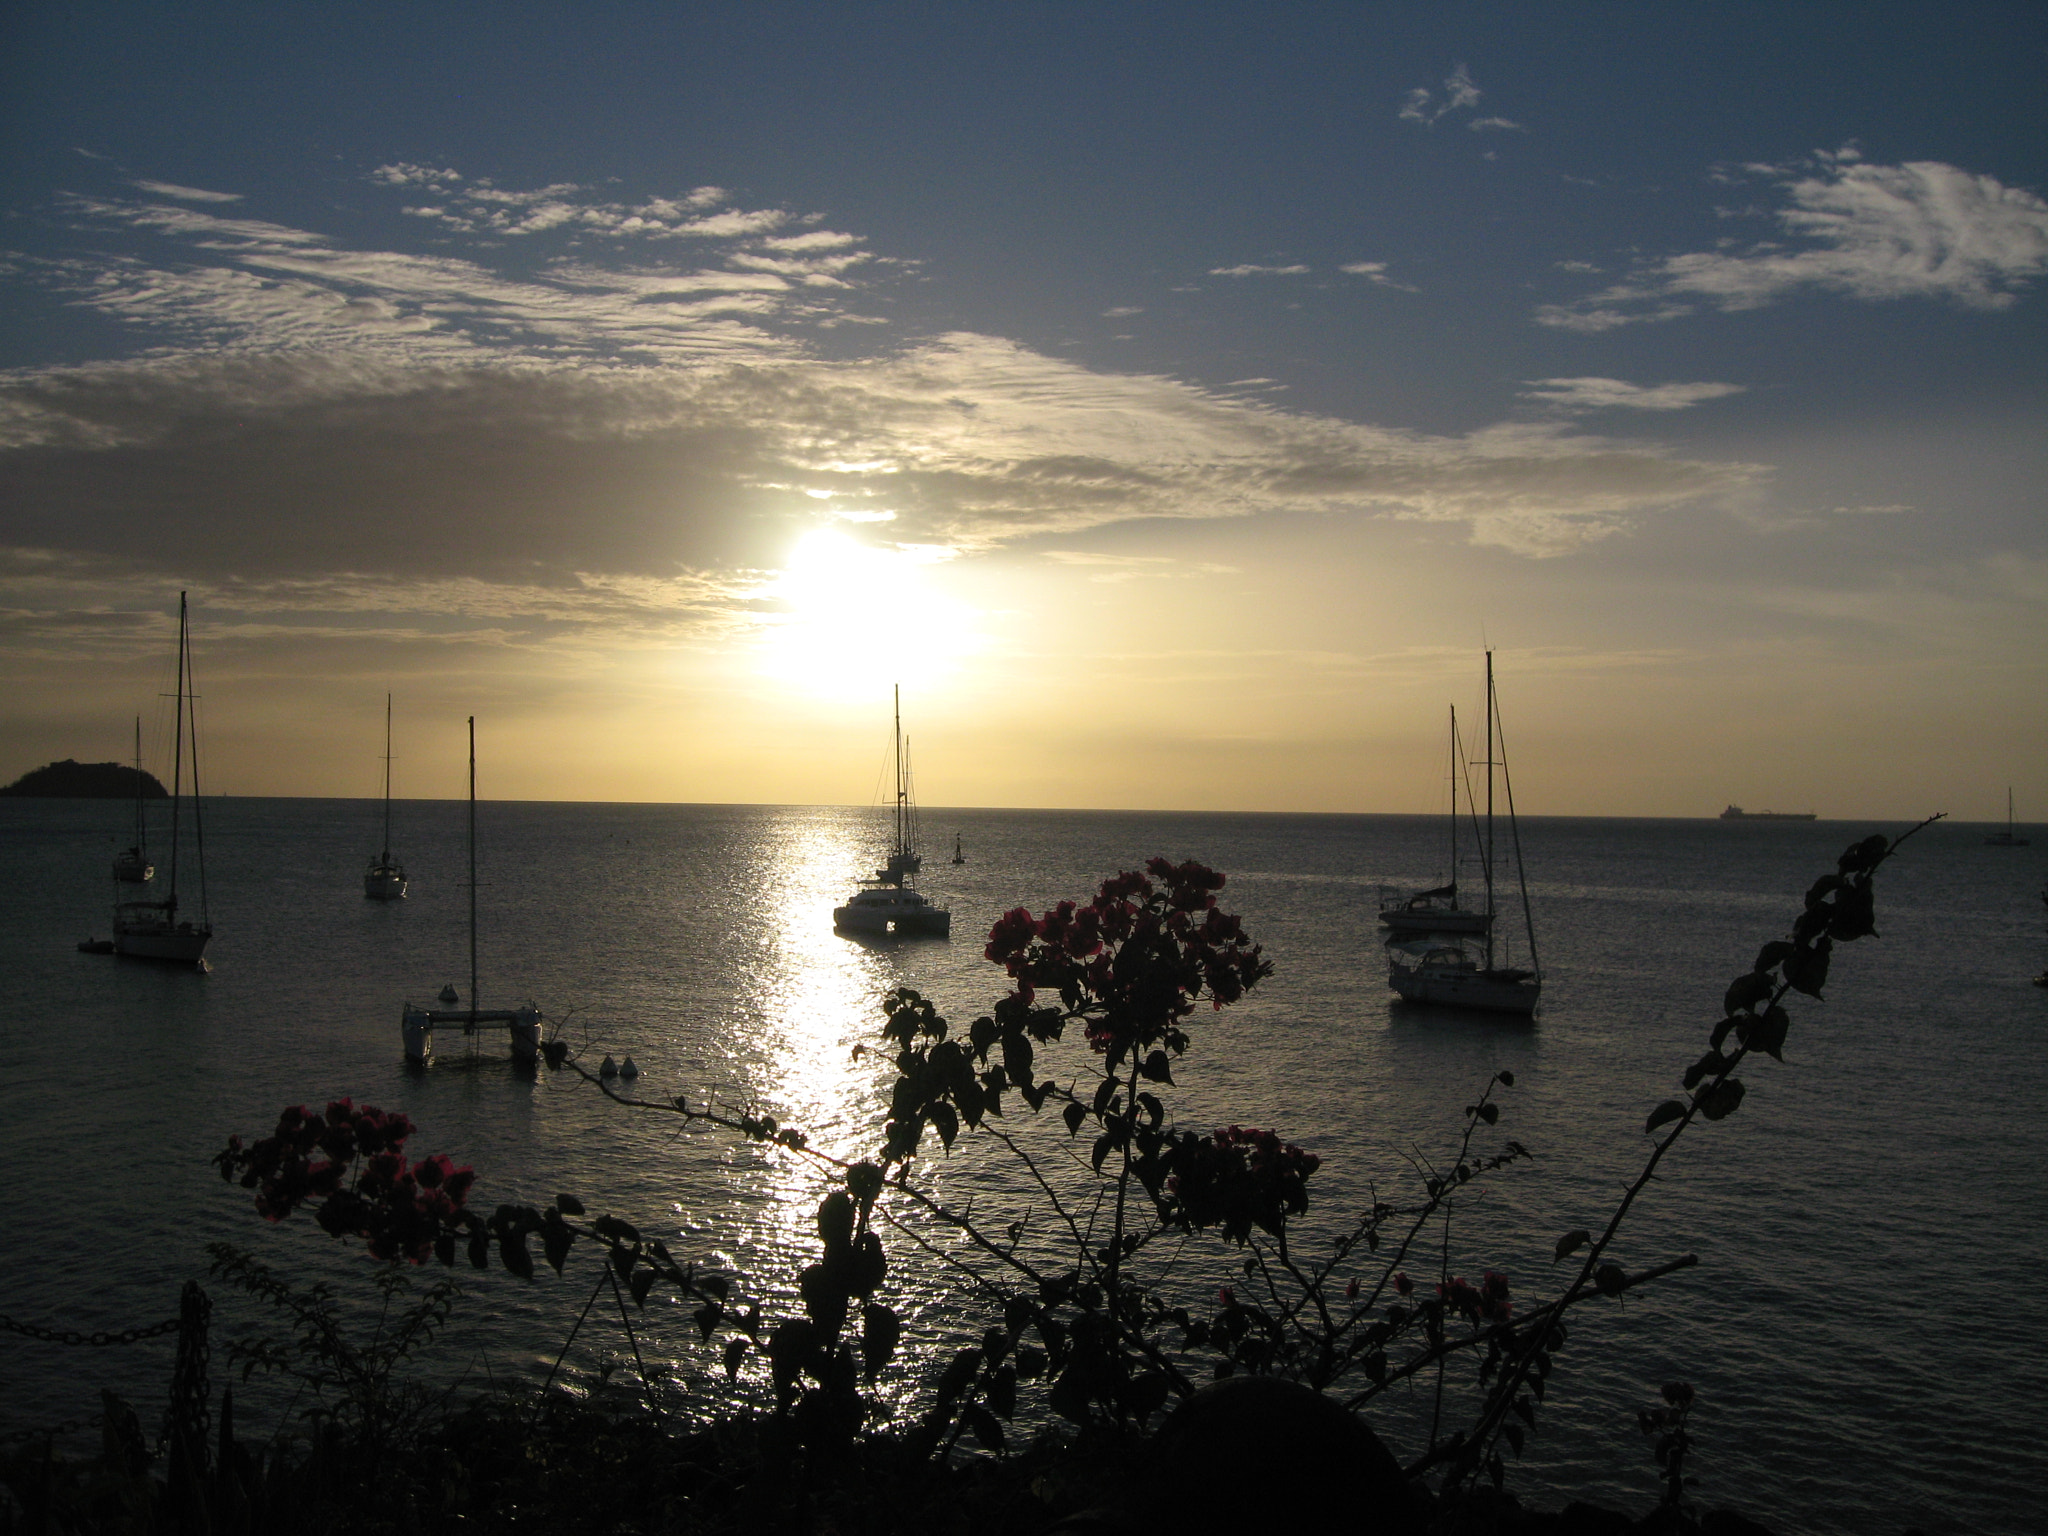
(1512, 1433)
(1571, 1243)
(1772, 955)
(735, 1352)
(641, 1283)
(513, 1255)
(945, 1122)
(1017, 1057)
(869, 1266)
(568, 1205)
(1719, 1101)
(1104, 1145)
(880, 1329)
(1155, 1068)
(1807, 969)
(1767, 1034)
(1105, 1095)
(985, 1427)
(1505, 1078)
(1745, 992)
(1609, 1280)
(1490, 1113)
(1663, 1114)
(1704, 1068)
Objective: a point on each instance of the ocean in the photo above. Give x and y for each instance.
(1859, 1328)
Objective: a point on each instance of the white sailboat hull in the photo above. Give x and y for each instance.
(1463, 983)
(893, 910)
(384, 882)
(151, 933)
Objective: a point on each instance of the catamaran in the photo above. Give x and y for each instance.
(1454, 975)
(886, 904)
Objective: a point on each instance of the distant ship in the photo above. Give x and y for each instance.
(1737, 813)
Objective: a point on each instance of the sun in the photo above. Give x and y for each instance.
(849, 611)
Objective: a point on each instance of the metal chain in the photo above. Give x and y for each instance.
(66, 1336)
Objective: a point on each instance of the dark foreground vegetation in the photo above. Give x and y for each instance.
(73, 780)
(1155, 1353)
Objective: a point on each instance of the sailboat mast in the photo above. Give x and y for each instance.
(472, 866)
(901, 798)
(1487, 861)
(141, 838)
(177, 756)
(1454, 805)
(385, 857)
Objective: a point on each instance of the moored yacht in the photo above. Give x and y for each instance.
(886, 904)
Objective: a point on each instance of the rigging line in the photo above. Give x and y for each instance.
(1515, 832)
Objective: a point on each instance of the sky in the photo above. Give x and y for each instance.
(1175, 400)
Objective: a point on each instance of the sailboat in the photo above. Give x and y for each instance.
(1437, 910)
(886, 904)
(384, 880)
(2008, 838)
(1453, 975)
(151, 929)
(416, 1021)
(959, 854)
(131, 865)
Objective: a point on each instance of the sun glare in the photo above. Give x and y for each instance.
(849, 607)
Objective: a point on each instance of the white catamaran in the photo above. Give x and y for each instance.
(151, 928)
(886, 904)
(1453, 975)
(384, 880)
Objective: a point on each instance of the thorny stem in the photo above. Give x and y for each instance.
(1523, 1358)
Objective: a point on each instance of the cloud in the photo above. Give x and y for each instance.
(1422, 105)
(1375, 272)
(628, 442)
(1495, 125)
(189, 194)
(1860, 231)
(1250, 269)
(1597, 394)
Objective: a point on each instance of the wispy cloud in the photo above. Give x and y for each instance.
(188, 194)
(1253, 269)
(1426, 107)
(1597, 394)
(1495, 125)
(1846, 227)
(1375, 272)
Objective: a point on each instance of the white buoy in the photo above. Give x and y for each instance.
(609, 1069)
(627, 1069)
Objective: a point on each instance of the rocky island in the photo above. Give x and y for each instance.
(74, 780)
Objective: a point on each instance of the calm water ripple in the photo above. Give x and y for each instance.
(1860, 1326)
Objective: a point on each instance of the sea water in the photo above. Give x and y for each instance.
(1861, 1326)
